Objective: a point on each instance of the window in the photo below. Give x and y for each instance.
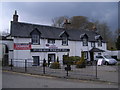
(35, 39)
(99, 43)
(51, 41)
(92, 44)
(36, 60)
(86, 54)
(99, 54)
(64, 41)
(85, 42)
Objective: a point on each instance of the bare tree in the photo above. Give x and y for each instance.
(5, 32)
(106, 33)
(82, 22)
(58, 21)
(76, 22)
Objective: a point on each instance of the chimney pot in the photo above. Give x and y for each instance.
(15, 17)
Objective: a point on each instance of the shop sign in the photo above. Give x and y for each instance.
(22, 46)
(53, 46)
(50, 50)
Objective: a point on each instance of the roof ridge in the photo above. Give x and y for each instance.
(38, 25)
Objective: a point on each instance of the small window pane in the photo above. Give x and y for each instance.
(51, 41)
(92, 44)
(85, 42)
(35, 39)
(64, 41)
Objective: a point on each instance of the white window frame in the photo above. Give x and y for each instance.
(51, 41)
(35, 39)
(92, 44)
(64, 41)
(85, 42)
(99, 43)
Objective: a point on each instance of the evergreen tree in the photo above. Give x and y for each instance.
(118, 43)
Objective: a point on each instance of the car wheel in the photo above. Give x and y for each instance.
(106, 63)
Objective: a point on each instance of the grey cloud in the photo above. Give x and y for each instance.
(44, 12)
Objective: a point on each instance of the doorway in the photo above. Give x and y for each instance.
(91, 56)
(51, 58)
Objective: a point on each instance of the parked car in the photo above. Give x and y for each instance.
(107, 60)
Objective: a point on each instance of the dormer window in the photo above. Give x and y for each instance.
(99, 39)
(84, 38)
(85, 42)
(35, 39)
(64, 41)
(35, 36)
(64, 35)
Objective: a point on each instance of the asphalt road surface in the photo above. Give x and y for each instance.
(19, 80)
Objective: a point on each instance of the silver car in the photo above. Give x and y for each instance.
(107, 60)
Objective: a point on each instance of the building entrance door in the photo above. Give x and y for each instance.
(91, 56)
(51, 58)
(36, 60)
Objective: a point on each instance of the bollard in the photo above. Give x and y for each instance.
(43, 70)
(44, 64)
(96, 69)
(25, 65)
(67, 72)
(68, 68)
(11, 65)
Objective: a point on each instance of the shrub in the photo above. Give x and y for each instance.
(55, 65)
(81, 62)
(118, 59)
(70, 60)
(74, 59)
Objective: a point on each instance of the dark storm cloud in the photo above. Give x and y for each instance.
(39, 12)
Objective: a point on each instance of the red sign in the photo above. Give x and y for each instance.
(53, 46)
(22, 46)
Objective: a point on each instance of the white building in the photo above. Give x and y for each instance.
(38, 42)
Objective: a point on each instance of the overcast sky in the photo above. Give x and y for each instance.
(43, 13)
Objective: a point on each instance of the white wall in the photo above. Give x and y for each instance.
(75, 49)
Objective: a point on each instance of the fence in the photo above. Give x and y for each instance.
(42, 68)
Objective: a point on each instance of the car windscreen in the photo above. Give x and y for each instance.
(108, 57)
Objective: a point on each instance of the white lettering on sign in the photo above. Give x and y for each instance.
(22, 46)
(53, 46)
(100, 62)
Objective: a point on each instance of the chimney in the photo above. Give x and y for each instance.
(66, 24)
(94, 28)
(15, 17)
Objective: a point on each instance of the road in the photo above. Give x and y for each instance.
(20, 80)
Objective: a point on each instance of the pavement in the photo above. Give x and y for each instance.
(104, 73)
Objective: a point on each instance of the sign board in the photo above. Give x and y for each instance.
(22, 46)
(53, 46)
(99, 63)
(49, 50)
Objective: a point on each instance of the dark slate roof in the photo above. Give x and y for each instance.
(20, 29)
(96, 50)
